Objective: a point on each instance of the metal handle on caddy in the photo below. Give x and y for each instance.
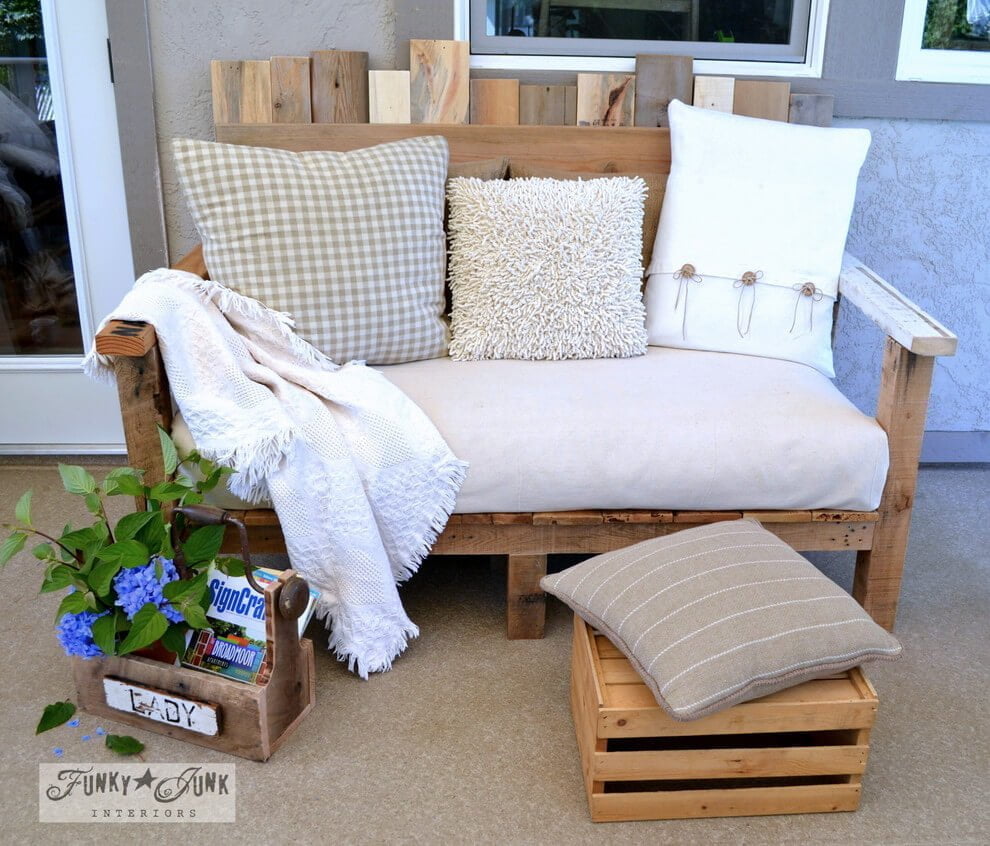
(295, 592)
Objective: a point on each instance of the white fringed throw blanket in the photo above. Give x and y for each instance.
(360, 478)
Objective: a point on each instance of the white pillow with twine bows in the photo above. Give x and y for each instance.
(751, 236)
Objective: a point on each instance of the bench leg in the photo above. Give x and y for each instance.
(526, 602)
(905, 383)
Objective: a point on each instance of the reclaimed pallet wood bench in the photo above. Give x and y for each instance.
(879, 537)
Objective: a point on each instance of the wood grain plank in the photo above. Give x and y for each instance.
(605, 99)
(526, 601)
(761, 762)
(660, 79)
(743, 802)
(900, 318)
(388, 96)
(714, 92)
(811, 109)
(547, 105)
(905, 386)
(439, 81)
(579, 149)
(291, 98)
(495, 102)
(339, 86)
(242, 91)
(766, 100)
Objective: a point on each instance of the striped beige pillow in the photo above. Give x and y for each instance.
(350, 244)
(720, 614)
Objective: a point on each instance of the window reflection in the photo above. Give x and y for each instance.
(38, 308)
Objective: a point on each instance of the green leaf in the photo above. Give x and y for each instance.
(203, 544)
(105, 633)
(169, 454)
(186, 588)
(123, 481)
(58, 577)
(130, 524)
(194, 614)
(22, 511)
(230, 566)
(168, 491)
(154, 535)
(73, 603)
(76, 480)
(94, 505)
(147, 626)
(174, 639)
(11, 546)
(55, 715)
(101, 577)
(124, 744)
(126, 553)
(43, 551)
(80, 538)
(192, 498)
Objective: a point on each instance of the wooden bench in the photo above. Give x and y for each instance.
(879, 537)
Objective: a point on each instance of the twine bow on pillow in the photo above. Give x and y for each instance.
(746, 282)
(814, 295)
(683, 276)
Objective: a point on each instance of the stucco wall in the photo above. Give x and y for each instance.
(187, 34)
(922, 221)
(921, 217)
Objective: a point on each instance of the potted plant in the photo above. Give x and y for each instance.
(126, 588)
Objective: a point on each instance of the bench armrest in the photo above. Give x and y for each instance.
(133, 338)
(895, 314)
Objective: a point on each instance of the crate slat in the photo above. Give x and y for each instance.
(743, 802)
(730, 763)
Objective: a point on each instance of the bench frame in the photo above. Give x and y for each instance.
(879, 537)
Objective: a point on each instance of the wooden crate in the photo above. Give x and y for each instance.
(801, 750)
(247, 720)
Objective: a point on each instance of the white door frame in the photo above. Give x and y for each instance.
(47, 404)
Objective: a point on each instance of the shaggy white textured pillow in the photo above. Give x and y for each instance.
(546, 269)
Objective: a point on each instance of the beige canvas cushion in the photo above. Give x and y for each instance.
(720, 614)
(670, 429)
(546, 269)
(350, 244)
(656, 184)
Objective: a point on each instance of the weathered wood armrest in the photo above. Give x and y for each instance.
(895, 314)
(142, 386)
(913, 340)
(133, 338)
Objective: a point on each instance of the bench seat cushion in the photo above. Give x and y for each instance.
(674, 429)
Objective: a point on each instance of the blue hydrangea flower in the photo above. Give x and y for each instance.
(86, 737)
(138, 586)
(75, 633)
(58, 751)
(73, 723)
(100, 731)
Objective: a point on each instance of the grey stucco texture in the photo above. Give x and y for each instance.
(921, 219)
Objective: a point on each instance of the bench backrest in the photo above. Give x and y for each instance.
(578, 149)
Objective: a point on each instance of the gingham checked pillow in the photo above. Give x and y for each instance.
(350, 244)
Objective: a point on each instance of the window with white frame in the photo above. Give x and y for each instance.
(945, 41)
(782, 37)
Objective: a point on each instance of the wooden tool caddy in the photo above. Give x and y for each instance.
(247, 720)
